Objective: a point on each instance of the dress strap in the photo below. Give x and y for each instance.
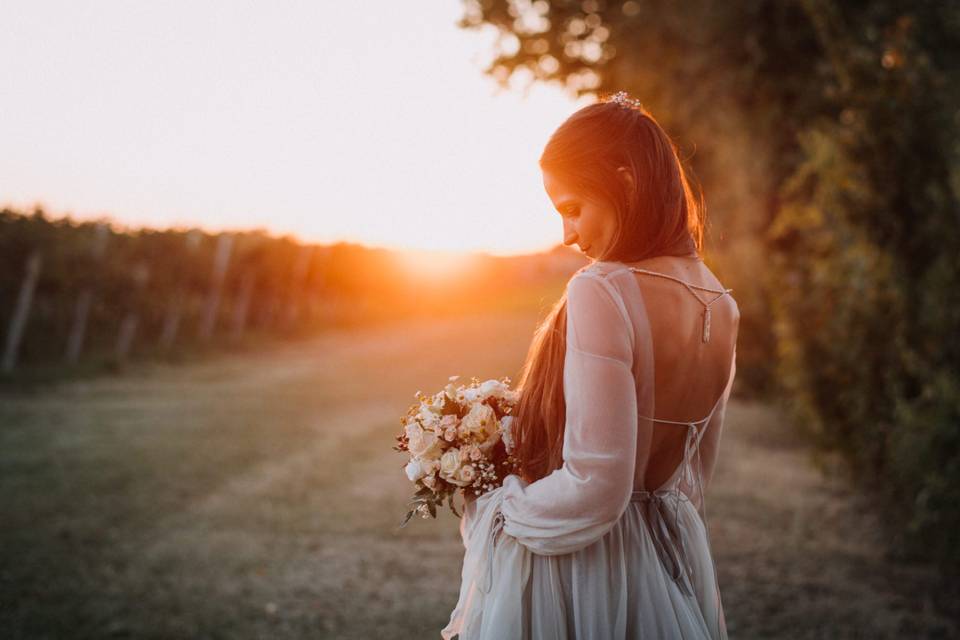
(666, 535)
(692, 289)
(668, 539)
(491, 543)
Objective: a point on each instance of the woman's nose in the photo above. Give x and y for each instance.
(569, 233)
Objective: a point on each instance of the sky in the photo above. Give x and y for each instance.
(370, 122)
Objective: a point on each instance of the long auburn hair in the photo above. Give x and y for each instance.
(662, 214)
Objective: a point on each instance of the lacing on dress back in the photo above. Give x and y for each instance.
(664, 526)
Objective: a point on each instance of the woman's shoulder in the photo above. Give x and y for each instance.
(592, 287)
(599, 268)
(595, 275)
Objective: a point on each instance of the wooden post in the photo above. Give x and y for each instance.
(242, 306)
(78, 329)
(128, 326)
(300, 269)
(18, 322)
(220, 262)
(171, 320)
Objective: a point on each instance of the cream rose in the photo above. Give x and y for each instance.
(492, 437)
(424, 443)
(468, 473)
(450, 462)
(481, 419)
(450, 468)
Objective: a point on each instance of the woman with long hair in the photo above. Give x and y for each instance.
(601, 534)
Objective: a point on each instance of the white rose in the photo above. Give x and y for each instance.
(451, 388)
(428, 416)
(414, 470)
(413, 429)
(493, 388)
(472, 395)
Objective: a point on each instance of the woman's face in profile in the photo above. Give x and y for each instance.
(588, 223)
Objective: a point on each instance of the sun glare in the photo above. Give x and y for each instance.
(434, 266)
(305, 129)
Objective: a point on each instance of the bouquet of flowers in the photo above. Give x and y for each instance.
(458, 438)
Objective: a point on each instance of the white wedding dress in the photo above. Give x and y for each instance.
(589, 552)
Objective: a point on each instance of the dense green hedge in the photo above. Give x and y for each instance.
(826, 138)
(867, 240)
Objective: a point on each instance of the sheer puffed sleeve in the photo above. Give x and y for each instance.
(579, 502)
(605, 387)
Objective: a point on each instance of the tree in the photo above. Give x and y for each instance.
(826, 138)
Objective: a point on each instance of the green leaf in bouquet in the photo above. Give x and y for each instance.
(407, 519)
(433, 508)
(450, 504)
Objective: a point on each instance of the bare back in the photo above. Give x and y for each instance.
(691, 373)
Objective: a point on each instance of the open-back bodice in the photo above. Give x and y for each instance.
(673, 372)
(688, 479)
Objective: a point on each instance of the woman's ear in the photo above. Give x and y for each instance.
(624, 174)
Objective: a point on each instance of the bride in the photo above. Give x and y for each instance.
(602, 533)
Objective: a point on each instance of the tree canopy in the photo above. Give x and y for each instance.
(825, 135)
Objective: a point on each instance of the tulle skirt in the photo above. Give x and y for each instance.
(650, 576)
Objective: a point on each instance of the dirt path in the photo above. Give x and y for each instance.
(257, 496)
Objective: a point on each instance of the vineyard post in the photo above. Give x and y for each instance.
(128, 326)
(171, 321)
(242, 306)
(18, 322)
(220, 263)
(300, 269)
(78, 329)
(320, 288)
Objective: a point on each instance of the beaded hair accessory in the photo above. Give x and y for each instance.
(621, 98)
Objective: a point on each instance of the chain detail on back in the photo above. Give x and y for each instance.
(705, 334)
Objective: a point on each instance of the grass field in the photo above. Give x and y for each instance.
(257, 496)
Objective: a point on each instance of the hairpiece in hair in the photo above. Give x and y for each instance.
(621, 98)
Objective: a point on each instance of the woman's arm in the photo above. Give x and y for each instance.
(579, 502)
